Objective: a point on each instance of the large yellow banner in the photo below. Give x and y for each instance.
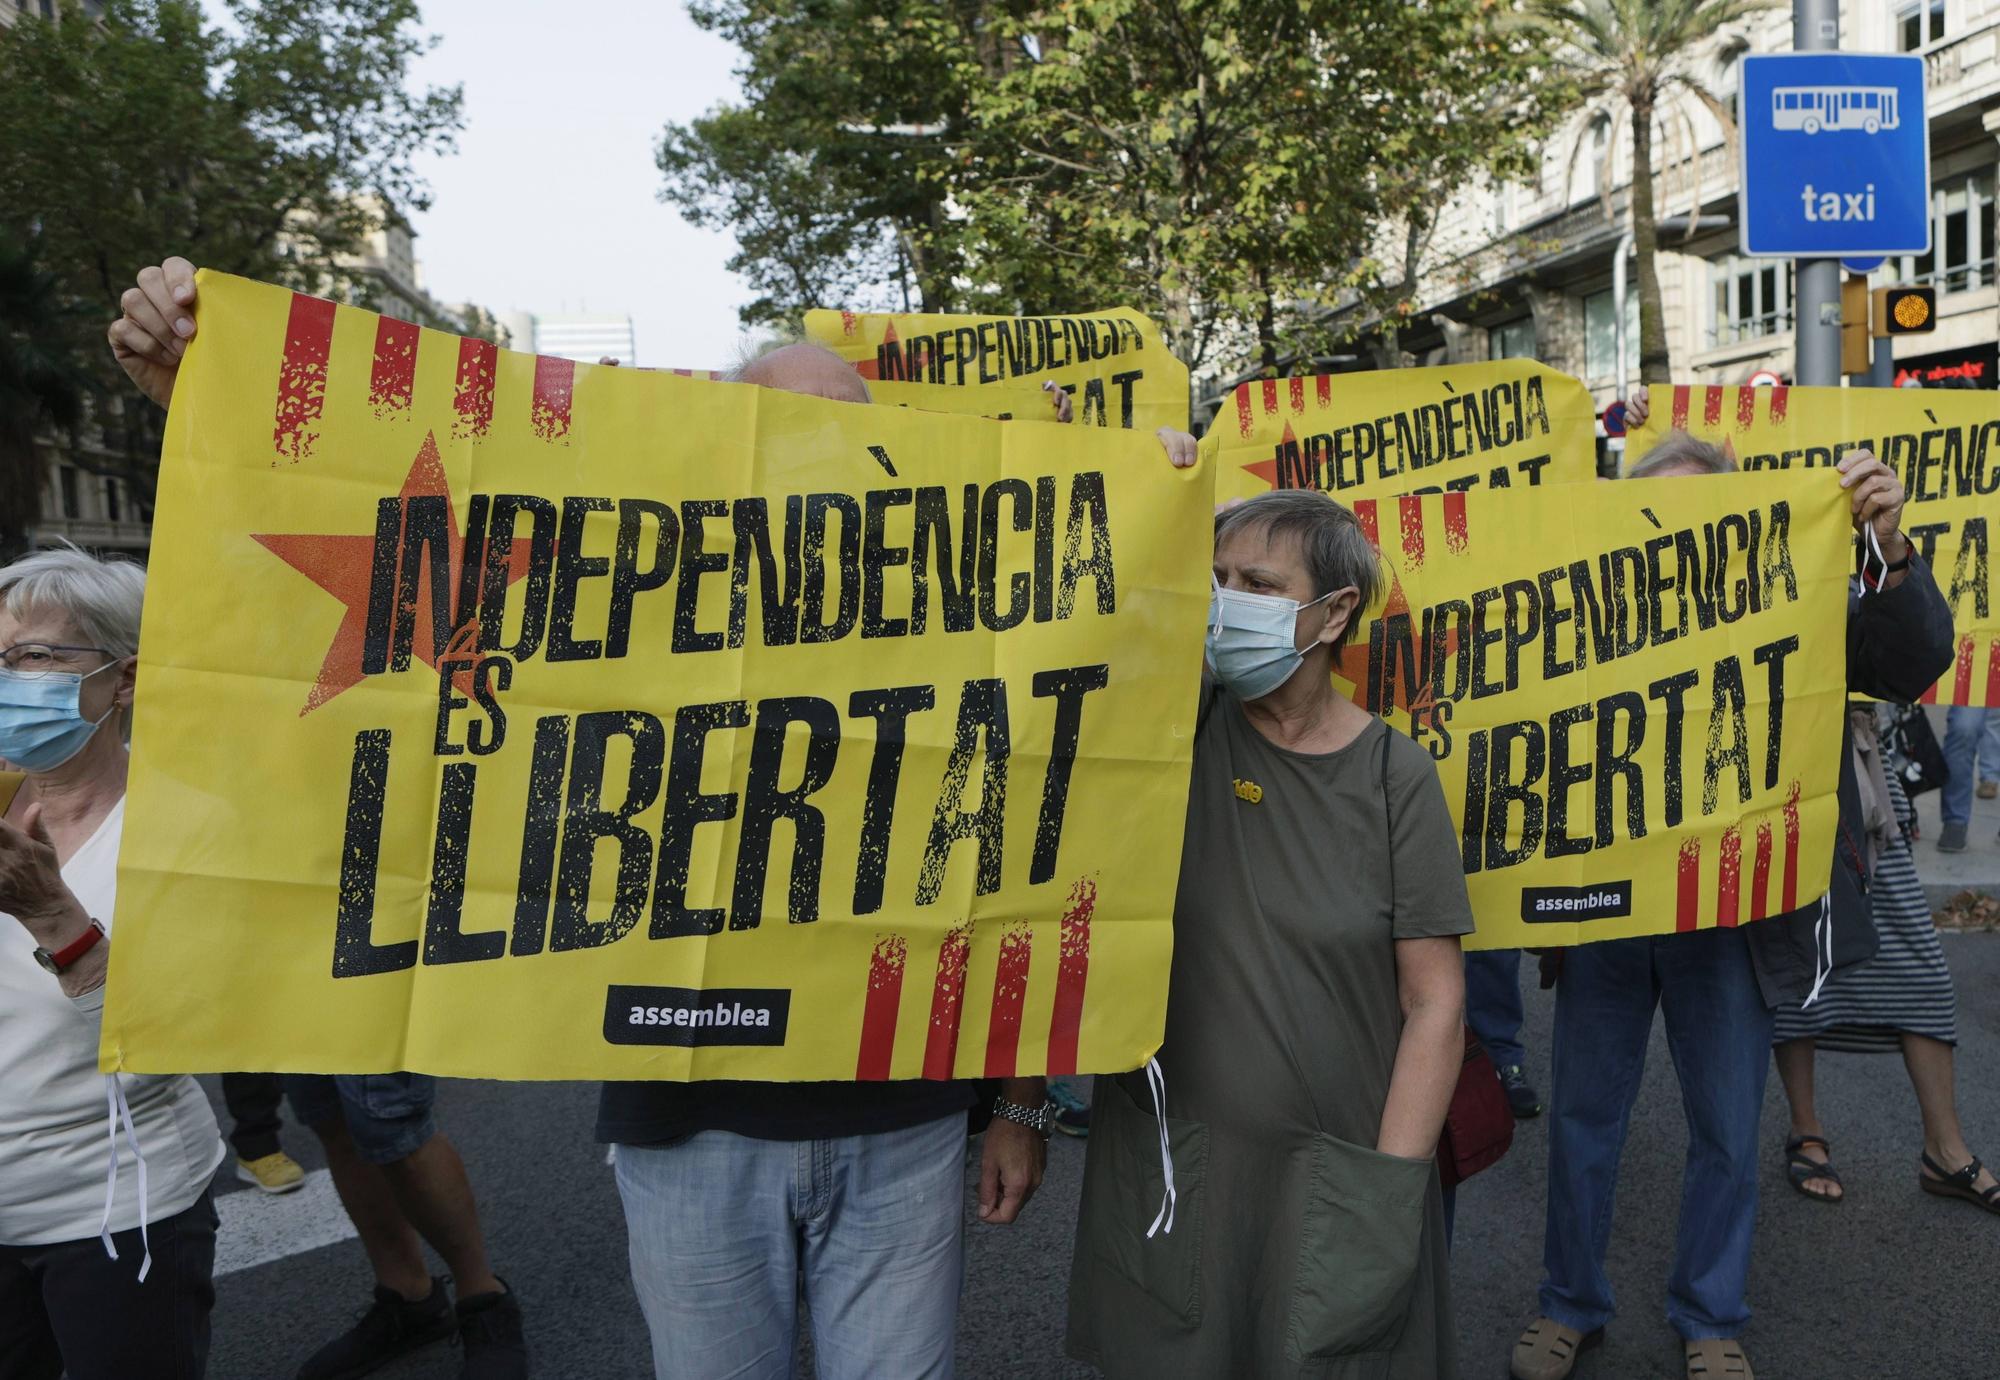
(1115, 363)
(1944, 444)
(510, 717)
(1510, 423)
(1633, 693)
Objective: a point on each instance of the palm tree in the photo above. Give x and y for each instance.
(41, 383)
(1630, 62)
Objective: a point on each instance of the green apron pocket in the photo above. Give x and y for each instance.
(1123, 1187)
(1359, 1244)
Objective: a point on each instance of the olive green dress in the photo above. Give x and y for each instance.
(1297, 1248)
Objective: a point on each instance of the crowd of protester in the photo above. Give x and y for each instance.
(1263, 1199)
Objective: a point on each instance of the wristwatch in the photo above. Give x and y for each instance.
(65, 958)
(1041, 1120)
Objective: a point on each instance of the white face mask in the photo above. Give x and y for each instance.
(1252, 639)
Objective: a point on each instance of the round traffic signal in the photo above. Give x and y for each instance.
(1912, 312)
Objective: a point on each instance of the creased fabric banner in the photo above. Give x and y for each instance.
(1507, 424)
(1633, 693)
(1115, 363)
(1023, 402)
(1944, 444)
(506, 717)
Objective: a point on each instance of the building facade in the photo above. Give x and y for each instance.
(1528, 270)
(585, 337)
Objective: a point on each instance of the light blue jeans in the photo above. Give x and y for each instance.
(1719, 1034)
(1971, 738)
(723, 1228)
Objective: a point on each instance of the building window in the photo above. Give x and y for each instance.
(1503, 208)
(111, 507)
(1918, 24)
(1593, 168)
(1752, 297)
(1961, 255)
(1600, 334)
(72, 492)
(1515, 340)
(1727, 87)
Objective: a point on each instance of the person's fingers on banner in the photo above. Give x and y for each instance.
(1010, 1171)
(1638, 407)
(150, 338)
(1876, 494)
(609, 361)
(31, 883)
(1065, 405)
(1181, 449)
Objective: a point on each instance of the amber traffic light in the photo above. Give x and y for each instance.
(1904, 310)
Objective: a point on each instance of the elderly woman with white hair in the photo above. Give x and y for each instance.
(97, 1290)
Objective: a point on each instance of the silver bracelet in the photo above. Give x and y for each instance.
(1041, 1120)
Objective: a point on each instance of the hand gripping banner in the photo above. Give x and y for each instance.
(1633, 693)
(1944, 444)
(1115, 363)
(1510, 423)
(508, 717)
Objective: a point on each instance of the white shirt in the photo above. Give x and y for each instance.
(53, 1129)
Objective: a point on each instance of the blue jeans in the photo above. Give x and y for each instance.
(1971, 736)
(387, 1114)
(1493, 1003)
(1719, 1033)
(723, 1228)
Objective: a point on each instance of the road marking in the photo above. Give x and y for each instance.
(259, 1227)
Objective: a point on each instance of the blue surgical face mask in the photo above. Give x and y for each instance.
(41, 725)
(1252, 640)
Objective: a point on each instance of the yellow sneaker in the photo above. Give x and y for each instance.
(274, 1173)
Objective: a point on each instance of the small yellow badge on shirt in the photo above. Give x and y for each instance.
(1250, 791)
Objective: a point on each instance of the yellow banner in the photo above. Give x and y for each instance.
(1510, 423)
(506, 717)
(1115, 363)
(1633, 693)
(1944, 444)
(1025, 402)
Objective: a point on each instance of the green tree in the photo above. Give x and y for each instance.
(41, 385)
(1630, 61)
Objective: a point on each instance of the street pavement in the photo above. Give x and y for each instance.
(1889, 1284)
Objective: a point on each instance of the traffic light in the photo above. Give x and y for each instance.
(1905, 310)
(1854, 342)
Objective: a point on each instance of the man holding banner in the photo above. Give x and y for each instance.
(1718, 989)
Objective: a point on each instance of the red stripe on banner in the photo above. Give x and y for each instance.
(302, 376)
(1270, 391)
(1961, 683)
(1746, 407)
(1780, 396)
(1411, 509)
(1323, 389)
(1243, 422)
(1760, 876)
(473, 400)
(555, 384)
(1072, 970)
(1454, 522)
(1298, 393)
(1929, 696)
(1791, 896)
(1993, 675)
(1729, 881)
(1690, 885)
(393, 379)
(1010, 993)
(1680, 407)
(1711, 406)
(847, 322)
(947, 1004)
(878, 1016)
(1364, 513)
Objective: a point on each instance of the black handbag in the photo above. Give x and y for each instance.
(1913, 748)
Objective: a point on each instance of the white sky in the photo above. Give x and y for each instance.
(550, 203)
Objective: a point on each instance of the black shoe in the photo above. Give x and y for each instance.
(490, 1327)
(1521, 1094)
(393, 1327)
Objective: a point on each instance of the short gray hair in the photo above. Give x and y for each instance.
(1336, 552)
(1680, 451)
(101, 594)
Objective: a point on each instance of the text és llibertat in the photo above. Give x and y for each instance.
(825, 569)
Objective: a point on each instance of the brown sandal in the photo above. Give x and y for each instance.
(1548, 1350)
(1718, 1358)
(1959, 1185)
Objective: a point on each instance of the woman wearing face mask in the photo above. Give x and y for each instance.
(1313, 1033)
(127, 1296)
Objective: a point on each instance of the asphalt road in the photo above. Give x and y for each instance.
(1890, 1284)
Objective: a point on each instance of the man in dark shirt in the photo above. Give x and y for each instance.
(736, 1192)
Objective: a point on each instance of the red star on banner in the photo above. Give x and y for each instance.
(872, 368)
(1267, 470)
(341, 565)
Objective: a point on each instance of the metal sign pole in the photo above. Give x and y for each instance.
(1816, 28)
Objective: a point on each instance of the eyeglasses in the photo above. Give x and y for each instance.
(33, 660)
